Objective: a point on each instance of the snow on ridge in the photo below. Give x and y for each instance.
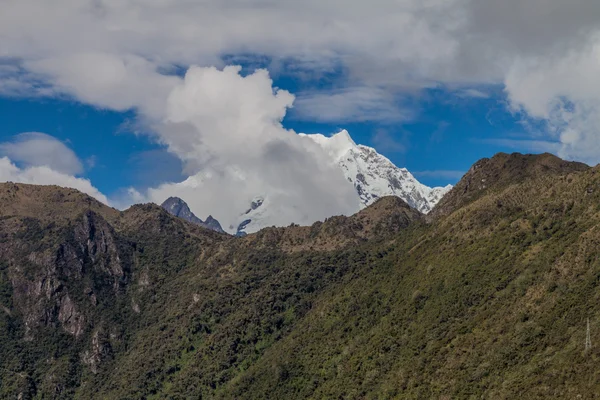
(374, 175)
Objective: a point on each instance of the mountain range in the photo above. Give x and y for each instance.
(492, 294)
(373, 176)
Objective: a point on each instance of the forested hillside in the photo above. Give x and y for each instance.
(486, 297)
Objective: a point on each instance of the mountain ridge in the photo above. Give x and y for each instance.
(489, 298)
(373, 176)
(500, 170)
(179, 208)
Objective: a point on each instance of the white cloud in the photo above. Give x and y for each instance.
(107, 80)
(18, 82)
(473, 93)
(43, 175)
(357, 104)
(227, 129)
(216, 114)
(38, 158)
(38, 149)
(563, 91)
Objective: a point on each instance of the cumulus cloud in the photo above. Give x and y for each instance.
(107, 80)
(218, 115)
(41, 150)
(563, 91)
(227, 130)
(41, 159)
(43, 175)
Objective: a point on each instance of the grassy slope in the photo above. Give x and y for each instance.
(489, 301)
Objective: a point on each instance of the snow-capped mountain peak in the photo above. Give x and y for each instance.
(255, 213)
(369, 176)
(336, 145)
(374, 175)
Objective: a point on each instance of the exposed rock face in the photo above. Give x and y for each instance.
(179, 208)
(71, 319)
(99, 350)
(88, 253)
(213, 224)
(141, 304)
(98, 246)
(74, 274)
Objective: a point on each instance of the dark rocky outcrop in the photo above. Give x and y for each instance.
(58, 285)
(179, 208)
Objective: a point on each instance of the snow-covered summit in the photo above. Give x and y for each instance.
(336, 145)
(374, 175)
(369, 176)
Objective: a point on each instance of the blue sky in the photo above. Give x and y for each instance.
(115, 157)
(446, 135)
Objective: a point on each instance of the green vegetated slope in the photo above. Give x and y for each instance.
(486, 298)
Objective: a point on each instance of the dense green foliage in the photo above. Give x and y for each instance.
(489, 301)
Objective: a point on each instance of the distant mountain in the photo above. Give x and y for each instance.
(254, 218)
(179, 208)
(373, 175)
(212, 223)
